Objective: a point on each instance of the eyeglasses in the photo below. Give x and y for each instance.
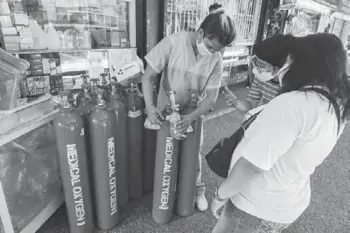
(263, 66)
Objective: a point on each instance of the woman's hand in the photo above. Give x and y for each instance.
(230, 97)
(184, 123)
(154, 115)
(216, 204)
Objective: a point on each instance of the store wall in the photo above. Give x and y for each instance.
(324, 21)
(345, 33)
(154, 22)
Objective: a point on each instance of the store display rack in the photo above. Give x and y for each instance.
(51, 205)
(42, 51)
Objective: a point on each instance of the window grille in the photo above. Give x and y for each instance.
(186, 15)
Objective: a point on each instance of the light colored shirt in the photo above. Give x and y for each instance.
(262, 92)
(175, 58)
(294, 133)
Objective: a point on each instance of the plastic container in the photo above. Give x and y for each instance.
(13, 118)
(29, 176)
(12, 71)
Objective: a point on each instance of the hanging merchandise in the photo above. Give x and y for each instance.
(117, 104)
(149, 148)
(165, 174)
(135, 130)
(104, 166)
(188, 163)
(70, 140)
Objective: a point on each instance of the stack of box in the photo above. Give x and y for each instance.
(15, 32)
(20, 20)
(9, 36)
(36, 64)
(37, 82)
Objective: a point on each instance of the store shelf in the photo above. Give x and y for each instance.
(27, 127)
(230, 63)
(84, 26)
(42, 51)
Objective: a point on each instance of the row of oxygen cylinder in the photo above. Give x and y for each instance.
(107, 157)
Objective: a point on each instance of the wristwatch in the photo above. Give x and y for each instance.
(217, 196)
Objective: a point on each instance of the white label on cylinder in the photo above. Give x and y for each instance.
(74, 170)
(112, 178)
(168, 160)
(134, 114)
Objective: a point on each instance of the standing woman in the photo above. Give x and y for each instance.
(270, 56)
(189, 61)
(268, 186)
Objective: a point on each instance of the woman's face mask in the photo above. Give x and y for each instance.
(263, 76)
(262, 70)
(202, 49)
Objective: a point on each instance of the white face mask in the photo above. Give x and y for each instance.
(202, 49)
(262, 76)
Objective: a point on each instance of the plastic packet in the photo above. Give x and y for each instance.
(149, 125)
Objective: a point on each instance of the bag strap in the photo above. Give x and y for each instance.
(250, 120)
(330, 99)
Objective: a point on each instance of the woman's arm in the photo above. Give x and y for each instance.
(242, 173)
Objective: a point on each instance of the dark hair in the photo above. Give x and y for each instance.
(318, 59)
(220, 26)
(274, 50)
(214, 7)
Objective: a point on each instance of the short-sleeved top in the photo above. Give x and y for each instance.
(175, 58)
(262, 92)
(294, 133)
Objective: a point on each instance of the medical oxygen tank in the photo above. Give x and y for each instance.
(188, 163)
(104, 163)
(94, 90)
(104, 86)
(121, 89)
(165, 175)
(84, 101)
(149, 148)
(84, 91)
(70, 141)
(117, 104)
(135, 131)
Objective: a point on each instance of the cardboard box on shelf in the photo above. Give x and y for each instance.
(8, 31)
(4, 8)
(10, 39)
(11, 47)
(26, 46)
(15, 6)
(24, 30)
(5, 21)
(20, 19)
